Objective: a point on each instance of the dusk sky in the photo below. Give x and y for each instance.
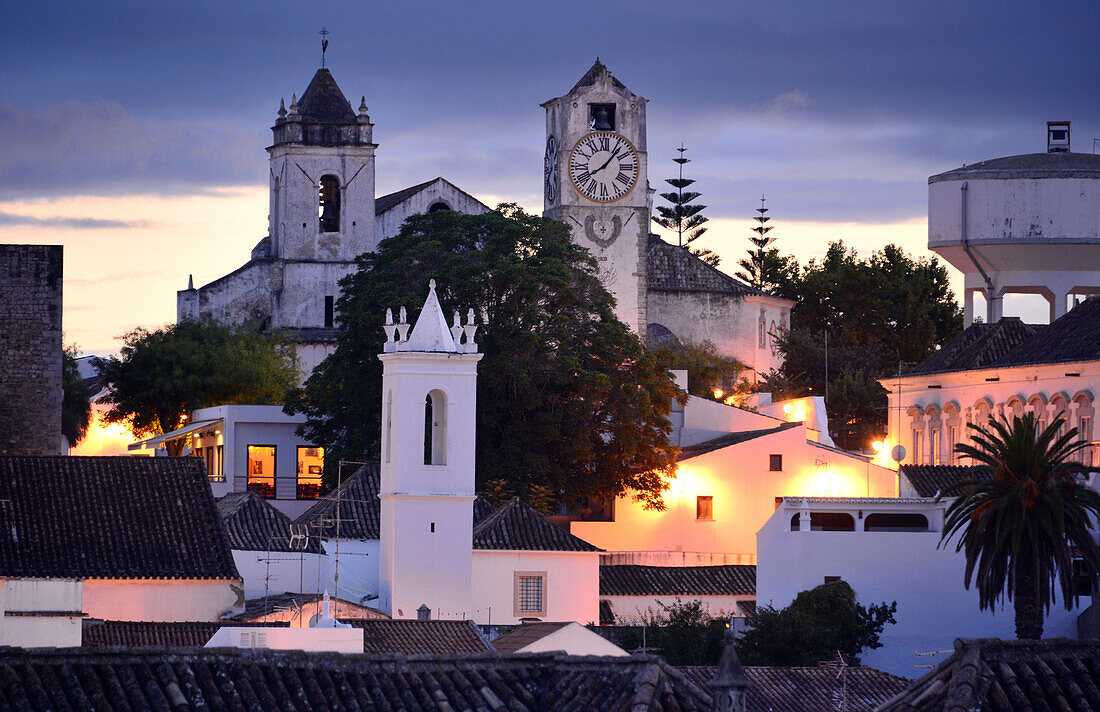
(134, 133)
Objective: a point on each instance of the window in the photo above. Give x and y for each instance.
(311, 464)
(775, 463)
(213, 464)
(826, 522)
(530, 593)
(328, 207)
(221, 463)
(601, 117)
(896, 522)
(388, 444)
(762, 328)
(916, 447)
(329, 303)
(934, 441)
(437, 206)
(704, 508)
(1084, 428)
(435, 428)
(261, 470)
(952, 441)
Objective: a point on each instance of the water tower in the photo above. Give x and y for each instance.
(1025, 224)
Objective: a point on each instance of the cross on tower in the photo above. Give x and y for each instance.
(324, 44)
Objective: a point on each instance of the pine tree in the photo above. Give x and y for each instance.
(682, 217)
(754, 267)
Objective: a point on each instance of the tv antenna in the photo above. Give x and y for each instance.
(840, 698)
(933, 654)
(324, 44)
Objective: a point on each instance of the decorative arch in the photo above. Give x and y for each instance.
(1014, 407)
(1037, 404)
(435, 428)
(439, 205)
(1058, 407)
(981, 411)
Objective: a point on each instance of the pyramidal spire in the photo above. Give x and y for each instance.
(431, 333)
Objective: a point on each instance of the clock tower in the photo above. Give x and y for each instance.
(596, 182)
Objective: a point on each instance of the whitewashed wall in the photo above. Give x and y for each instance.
(161, 599)
(389, 222)
(934, 608)
(48, 598)
(572, 585)
(277, 572)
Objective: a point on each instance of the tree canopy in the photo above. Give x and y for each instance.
(878, 311)
(682, 632)
(568, 399)
(163, 374)
(76, 404)
(1022, 529)
(816, 625)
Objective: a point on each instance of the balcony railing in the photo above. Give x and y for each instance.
(263, 486)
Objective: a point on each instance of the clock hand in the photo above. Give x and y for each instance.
(607, 162)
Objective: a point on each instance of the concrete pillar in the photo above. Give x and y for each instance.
(968, 307)
(1058, 305)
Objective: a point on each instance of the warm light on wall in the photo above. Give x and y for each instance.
(718, 393)
(878, 446)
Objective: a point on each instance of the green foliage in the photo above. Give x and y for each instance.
(162, 375)
(681, 632)
(568, 399)
(707, 369)
(816, 625)
(1022, 529)
(76, 404)
(878, 311)
(683, 218)
(765, 268)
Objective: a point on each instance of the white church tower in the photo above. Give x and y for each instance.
(429, 399)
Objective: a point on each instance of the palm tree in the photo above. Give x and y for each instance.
(1022, 528)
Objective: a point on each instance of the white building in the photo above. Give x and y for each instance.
(887, 550)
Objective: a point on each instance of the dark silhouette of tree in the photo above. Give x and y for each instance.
(683, 218)
(76, 404)
(1022, 529)
(757, 268)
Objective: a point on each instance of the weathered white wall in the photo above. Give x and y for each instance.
(572, 585)
(389, 222)
(940, 401)
(160, 599)
(633, 610)
(934, 608)
(730, 322)
(744, 492)
(46, 597)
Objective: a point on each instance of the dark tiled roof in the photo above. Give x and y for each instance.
(386, 202)
(674, 269)
(729, 439)
(359, 507)
(810, 689)
(593, 74)
(607, 613)
(110, 517)
(140, 634)
(482, 509)
(636, 580)
(517, 527)
(225, 679)
(409, 637)
(991, 674)
(324, 103)
(931, 480)
(1073, 337)
(746, 608)
(1028, 165)
(255, 608)
(254, 525)
(523, 635)
(978, 346)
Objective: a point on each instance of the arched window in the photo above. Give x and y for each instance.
(437, 206)
(895, 522)
(435, 428)
(827, 522)
(328, 207)
(1038, 405)
(1059, 409)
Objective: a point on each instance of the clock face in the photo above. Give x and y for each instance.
(603, 166)
(550, 170)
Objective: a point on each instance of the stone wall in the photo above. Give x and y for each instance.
(30, 350)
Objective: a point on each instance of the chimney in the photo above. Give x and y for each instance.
(729, 686)
(1057, 137)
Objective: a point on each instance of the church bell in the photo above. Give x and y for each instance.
(602, 121)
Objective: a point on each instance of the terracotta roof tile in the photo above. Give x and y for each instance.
(414, 637)
(252, 524)
(224, 679)
(992, 674)
(110, 517)
(517, 527)
(674, 269)
(140, 634)
(637, 580)
(810, 689)
(931, 480)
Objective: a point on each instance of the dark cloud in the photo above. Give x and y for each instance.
(854, 103)
(10, 219)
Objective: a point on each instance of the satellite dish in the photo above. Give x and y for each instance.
(898, 453)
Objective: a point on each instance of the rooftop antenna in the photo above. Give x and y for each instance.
(840, 697)
(324, 44)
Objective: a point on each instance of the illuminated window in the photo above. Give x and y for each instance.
(311, 464)
(435, 428)
(261, 470)
(916, 447)
(934, 443)
(952, 441)
(530, 593)
(704, 508)
(775, 463)
(328, 207)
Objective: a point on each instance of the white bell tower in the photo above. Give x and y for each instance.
(429, 404)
